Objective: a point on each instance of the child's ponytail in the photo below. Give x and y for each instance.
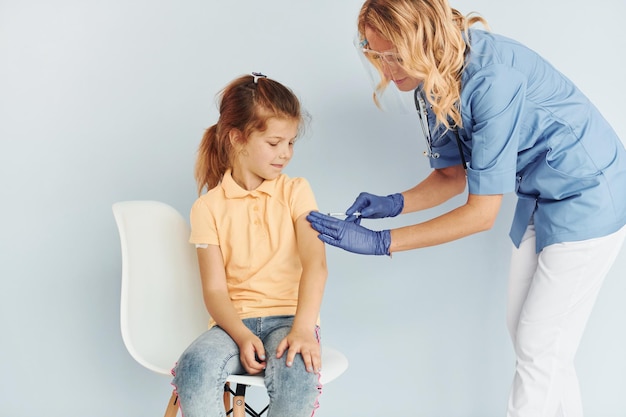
(212, 160)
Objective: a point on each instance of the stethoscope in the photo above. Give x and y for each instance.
(422, 112)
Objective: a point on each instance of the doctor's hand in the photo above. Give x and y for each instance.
(349, 235)
(376, 207)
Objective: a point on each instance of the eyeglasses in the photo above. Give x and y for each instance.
(381, 75)
(388, 57)
(422, 112)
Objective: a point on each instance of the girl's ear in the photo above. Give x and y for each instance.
(236, 139)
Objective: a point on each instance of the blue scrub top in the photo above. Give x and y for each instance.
(528, 129)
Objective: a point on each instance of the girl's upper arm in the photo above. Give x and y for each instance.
(212, 270)
(310, 248)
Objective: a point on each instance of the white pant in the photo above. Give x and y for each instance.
(550, 298)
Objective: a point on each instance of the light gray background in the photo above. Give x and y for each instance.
(102, 101)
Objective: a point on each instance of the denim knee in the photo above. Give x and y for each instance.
(292, 390)
(201, 371)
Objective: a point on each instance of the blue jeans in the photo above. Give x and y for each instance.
(201, 372)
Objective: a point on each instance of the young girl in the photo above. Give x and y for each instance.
(263, 269)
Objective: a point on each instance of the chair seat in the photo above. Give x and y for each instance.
(251, 380)
(334, 364)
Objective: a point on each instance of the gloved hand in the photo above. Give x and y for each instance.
(376, 207)
(350, 236)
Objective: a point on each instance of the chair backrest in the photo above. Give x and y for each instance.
(162, 310)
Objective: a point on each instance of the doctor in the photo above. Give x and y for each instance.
(498, 118)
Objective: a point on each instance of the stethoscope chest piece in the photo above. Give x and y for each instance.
(422, 111)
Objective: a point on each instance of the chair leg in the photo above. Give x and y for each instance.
(227, 397)
(172, 406)
(239, 401)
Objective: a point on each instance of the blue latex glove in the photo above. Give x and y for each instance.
(376, 207)
(349, 235)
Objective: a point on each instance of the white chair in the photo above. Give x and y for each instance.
(162, 309)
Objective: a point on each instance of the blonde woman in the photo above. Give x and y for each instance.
(498, 118)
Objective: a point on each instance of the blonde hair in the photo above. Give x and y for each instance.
(430, 39)
(245, 105)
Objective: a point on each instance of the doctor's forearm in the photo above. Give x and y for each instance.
(477, 215)
(440, 186)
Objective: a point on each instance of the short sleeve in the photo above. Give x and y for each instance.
(203, 226)
(495, 97)
(301, 198)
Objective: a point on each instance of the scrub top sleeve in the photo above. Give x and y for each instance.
(495, 97)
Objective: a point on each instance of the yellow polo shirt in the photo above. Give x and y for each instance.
(255, 232)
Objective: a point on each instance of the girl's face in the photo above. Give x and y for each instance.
(392, 71)
(265, 154)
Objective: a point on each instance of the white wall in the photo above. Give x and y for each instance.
(102, 101)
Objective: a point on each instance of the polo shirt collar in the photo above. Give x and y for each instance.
(233, 190)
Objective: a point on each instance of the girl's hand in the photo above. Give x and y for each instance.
(304, 343)
(252, 354)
